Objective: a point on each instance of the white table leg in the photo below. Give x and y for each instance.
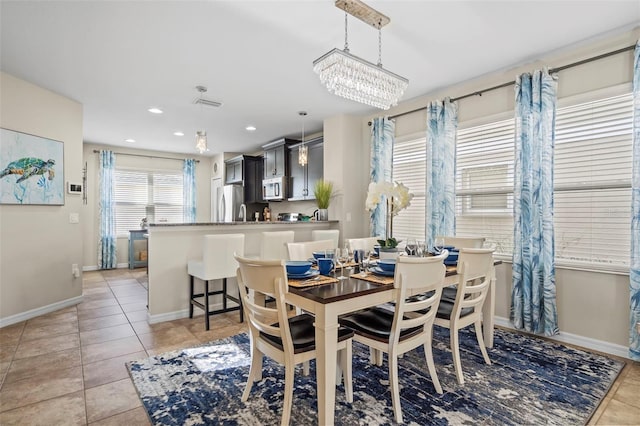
(326, 351)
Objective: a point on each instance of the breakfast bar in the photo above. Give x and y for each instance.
(171, 246)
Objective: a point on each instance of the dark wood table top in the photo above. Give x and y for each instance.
(347, 289)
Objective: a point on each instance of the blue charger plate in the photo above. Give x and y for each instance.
(310, 273)
(376, 270)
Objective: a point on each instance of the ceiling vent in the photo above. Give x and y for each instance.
(207, 102)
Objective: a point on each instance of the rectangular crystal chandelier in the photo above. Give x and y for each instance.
(354, 78)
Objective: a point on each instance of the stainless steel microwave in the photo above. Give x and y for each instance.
(274, 189)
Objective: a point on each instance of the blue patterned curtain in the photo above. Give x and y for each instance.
(189, 190)
(634, 273)
(107, 207)
(442, 123)
(382, 136)
(533, 297)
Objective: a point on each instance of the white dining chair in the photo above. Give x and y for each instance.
(326, 234)
(273, 244)
(475, 269)
(367, 243)
(410, 325)
(304, 250)
(287, 340)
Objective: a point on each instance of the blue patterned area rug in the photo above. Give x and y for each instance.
(530, 381)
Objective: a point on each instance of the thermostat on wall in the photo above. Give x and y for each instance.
(74, 188)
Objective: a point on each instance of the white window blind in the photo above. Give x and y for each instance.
(409, 168)
(592, 181)
(484, 183)
(140, 193)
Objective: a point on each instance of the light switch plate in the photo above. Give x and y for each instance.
(74, 218)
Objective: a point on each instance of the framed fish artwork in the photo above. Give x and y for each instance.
(31, 169)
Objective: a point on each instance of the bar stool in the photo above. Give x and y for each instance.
(326, 234)
(273, 245)
(218, 262)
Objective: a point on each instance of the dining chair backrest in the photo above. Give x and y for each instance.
(268, 277)
(217, 255)
(326, 234)
(273, 244)
(425, 274)
(464, 242)
(475, 268)
(304, 250)
(366, 243)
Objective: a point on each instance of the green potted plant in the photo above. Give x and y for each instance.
(323, 190)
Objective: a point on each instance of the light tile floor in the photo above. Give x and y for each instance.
(67, 367)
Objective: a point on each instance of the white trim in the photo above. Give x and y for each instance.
(167, 316)
(183, 313)
(23, 316)
(95, 267)
(574, 339)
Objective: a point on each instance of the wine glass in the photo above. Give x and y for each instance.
(438, 245)
(364, 262)
(342, 258)
(412, 246)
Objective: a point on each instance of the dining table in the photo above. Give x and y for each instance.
(328, 301)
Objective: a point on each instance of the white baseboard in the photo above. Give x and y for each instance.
(95, 267)
(168, 316)
(183, 313)
(23, 316)
(574, 339)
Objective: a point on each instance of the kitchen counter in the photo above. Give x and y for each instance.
(300, 222)
(171, 246)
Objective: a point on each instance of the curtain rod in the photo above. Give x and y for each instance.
(511, 83)
(147, 156)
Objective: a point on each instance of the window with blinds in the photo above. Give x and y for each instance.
(156, 195)
(484, 183)
(409, 168)
(592, 183)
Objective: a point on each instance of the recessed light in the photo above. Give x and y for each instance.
(155, 110)
(130, 140)
(178, 134)
(250, 128)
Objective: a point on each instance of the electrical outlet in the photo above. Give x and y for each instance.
(74, 218)
(75, 271)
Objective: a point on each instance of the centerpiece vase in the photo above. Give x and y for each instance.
(389, 252)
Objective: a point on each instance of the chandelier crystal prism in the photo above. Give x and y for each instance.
(354, 78)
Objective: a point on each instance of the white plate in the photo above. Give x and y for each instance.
(310, 273)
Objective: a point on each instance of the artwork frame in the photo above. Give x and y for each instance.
(31, 169)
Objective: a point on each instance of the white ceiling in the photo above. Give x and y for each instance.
(119, 58)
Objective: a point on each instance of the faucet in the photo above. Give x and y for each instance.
(243, 212)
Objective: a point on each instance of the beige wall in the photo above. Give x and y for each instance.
(591, 306)
(144, 161)
(38, 245)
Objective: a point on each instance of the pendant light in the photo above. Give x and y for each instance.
(303, 152)
(201, 135)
